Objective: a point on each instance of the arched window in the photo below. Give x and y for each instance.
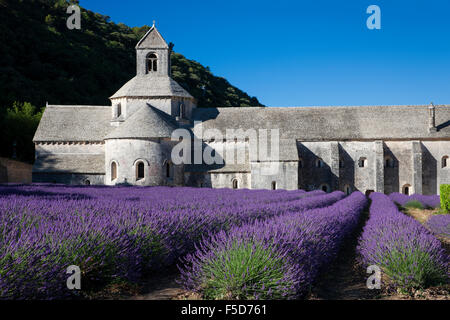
(274, 185)
(325, 187)
(319, 163)
(362, 163)
(87, 182)
(388, 162)
(235, 183)
(113, 171)
(407, 189)
(140, 170)
(152, 63)
(445, 162)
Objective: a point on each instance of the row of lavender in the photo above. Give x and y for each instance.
(118, 233)
(278, 258)
(403, 248)
(431, 201)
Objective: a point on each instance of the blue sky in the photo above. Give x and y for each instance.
(304, 53)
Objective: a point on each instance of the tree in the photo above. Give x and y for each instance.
(18, 127)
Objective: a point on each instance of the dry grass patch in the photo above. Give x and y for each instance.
(421, 215)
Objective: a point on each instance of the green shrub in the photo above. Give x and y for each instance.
(414, 204)
(412, 269)
(252, 265)
(445, 197)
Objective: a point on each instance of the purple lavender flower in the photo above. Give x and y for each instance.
(283, 254)
(118, 233)
(406, 251)
(440, 225)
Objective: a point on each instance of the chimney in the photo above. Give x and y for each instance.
(432, 118)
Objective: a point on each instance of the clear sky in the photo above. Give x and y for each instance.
(304, 53)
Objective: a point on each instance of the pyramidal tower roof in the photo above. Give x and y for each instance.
(151, 86)
(152, 40)
(147, 122)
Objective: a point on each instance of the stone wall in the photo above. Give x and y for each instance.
(69, 178)
(402, 174)
(12, 171)
(283, 174)
(433, 174)
(217, 179)
(127, 153)
(364, 175)
(316, 165)
(335, 165)
(341, 165)
(391, 165)
(388, 167)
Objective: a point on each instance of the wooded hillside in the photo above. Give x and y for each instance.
(42, 60)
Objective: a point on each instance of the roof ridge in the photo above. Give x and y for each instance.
(75, 106)
(326, 107)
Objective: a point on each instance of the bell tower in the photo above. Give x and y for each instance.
(153, 54)
(152, 85)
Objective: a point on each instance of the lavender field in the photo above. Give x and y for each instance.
(227, 244)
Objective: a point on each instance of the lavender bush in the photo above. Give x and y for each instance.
(278, 258)
(426, 201)
(118, 233)
(440, 225)
(406, 251)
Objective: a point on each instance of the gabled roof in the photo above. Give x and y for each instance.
(152, 40)
(331, 123)
(74, 123)
(147, 122)
(149, 85)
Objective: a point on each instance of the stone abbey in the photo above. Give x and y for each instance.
(368, 148)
